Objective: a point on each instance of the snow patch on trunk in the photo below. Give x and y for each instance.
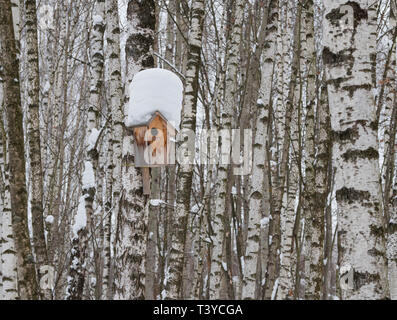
(88, 176)
(80, 220)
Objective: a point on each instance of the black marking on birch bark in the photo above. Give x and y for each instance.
(332, 58)
(350, 134)
(376, 253)
(351, 195)
(337, 82)
(377, 231)
(139, 47)
(94, 154)
(133, 207)
(336, 15)
(99, 56)
(144, 9)
(354, 88)
(362, 278)
(353, 155)
(392, 228)
(342, 57)
(100, 27)
(372, 57)
(256, 195)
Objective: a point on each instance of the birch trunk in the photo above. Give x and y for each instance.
(275, 232)
(349, 57)
(389, 163)
(36, 172)
(132, 220)
(27, 285)
(390, 197)
(171, 169)
(219, 221)
(56, 140)
(392, 237)
(188, 122)
(93, 108)
(258, 206)
(107, 289)
(151, 241)
(316, 198)
(2, 188)
(7, 254)
(316, 172)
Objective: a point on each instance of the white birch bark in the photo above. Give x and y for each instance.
(283, 62)
(289, 213)
(92, 133)
(279, 191)
(188, 122)
(7, 253)
(115, 92)
(316, 171)
(56, 144)
(392, 238)
(2, 184)
(27, 285)
(388, 125)
(36, 172)
(107, 289)
(113, 75)
(349, 57)
(258, 206)
(132, 220)
(218, 259)
(93, 145)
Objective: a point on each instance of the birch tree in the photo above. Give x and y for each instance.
(33, 79)
(316, 163)
(220, 220)
(132, 222)
(389, 163)
(94, 107)
(259, 208)
(27, 285)
(278, 193)
(188, 122)
(349, 56)
(7, 253)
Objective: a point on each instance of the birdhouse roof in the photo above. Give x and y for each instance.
(154, 90)
(154, 115)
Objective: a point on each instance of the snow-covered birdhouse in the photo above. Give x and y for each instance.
(154, 113)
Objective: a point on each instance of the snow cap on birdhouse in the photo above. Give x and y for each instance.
(154, 113)
(154, 90)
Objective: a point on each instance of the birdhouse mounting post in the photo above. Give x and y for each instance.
(146, 180)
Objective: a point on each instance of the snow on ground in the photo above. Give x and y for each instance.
(154, 90)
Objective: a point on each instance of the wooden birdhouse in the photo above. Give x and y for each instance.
(154, 142)
(154, 112)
